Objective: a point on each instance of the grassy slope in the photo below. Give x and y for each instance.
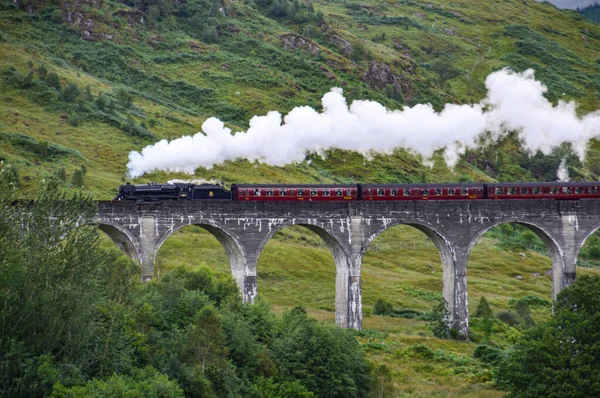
(296, 267)
(247, 73)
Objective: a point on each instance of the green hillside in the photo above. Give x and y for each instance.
(83, 83)
(88, 82)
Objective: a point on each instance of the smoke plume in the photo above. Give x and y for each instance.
(562, 174)
(515, 102)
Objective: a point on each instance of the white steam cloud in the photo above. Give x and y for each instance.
(562, 174)
(515, 102)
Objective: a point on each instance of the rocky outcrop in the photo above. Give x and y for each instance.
(91, 26)
(380, 75)
(292, 42)
(134, 17)
(343, 44)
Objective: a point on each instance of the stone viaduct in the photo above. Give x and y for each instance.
(454, 227)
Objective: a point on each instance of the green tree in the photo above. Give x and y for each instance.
(560, 358)
(483, 309)
(325, 359)
(205, 344)
(524, 313)
(52, 270)
(77, 179)
(146, 382)
(440, 320)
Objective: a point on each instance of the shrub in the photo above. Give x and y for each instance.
(77, 179)
(483, 309)
(382, 307)
(53, 81)
(488, 354)
(508, 317)
(69, 93)
(209, 34)
(439, 324)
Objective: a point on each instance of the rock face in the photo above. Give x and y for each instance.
(91, 29)
(380, 75)
(343, 44)
(292, 42)
(134, 17)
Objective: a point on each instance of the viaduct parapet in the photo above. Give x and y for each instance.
(348, 228)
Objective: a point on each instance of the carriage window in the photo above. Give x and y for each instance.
(394, 192)
(438, 191)
(464, 191)
(381, 192)
(292, 192)
(593, 190)
(242, 192)
(567, 190)
(524, 190)
(338, 192)
(301, 192)
(554, 190)
(451, 191)
(499, 191)
(282, 192)
(313, 192)
(326, 192)
(579, 189)
(257, 192)
(406, 192)
(511, 191)
(425, 191)
(348, 192)
(536, 191)
(269, 192)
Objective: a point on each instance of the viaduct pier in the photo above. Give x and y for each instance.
(454, 226)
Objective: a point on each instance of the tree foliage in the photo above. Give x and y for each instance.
(560, 358)
(75, 321)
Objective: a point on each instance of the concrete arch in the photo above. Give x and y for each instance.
(235, 251)
(451, 287)
(555, 251)
(348, 303)
(122, 238)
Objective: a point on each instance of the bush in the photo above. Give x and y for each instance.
(209, 34)
(488, 354)
(440, 318)
(508, 317)
(382, 307)
(52, 80)
(483, 309)
(77, 179)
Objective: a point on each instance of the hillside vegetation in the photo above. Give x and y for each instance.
(83, 83)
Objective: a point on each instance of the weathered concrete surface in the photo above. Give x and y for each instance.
(348, 228)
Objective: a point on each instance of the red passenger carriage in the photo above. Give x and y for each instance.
(294, 192)
(544, 190)
(421, 191)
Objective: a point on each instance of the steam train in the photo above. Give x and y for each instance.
(333, 192)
